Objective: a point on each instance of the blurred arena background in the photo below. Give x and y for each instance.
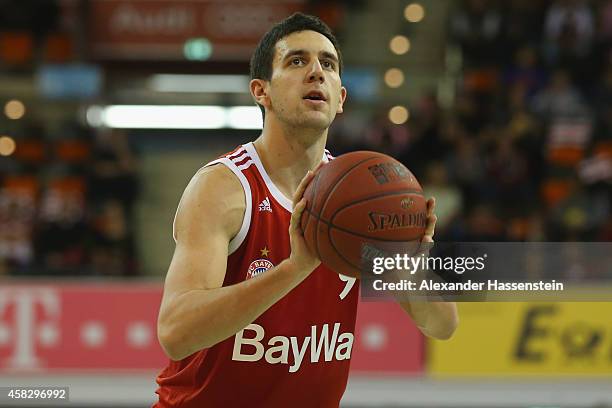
(502, 109)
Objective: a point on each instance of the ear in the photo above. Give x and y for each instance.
(341, 100)
(259, 92)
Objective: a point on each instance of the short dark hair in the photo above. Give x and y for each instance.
(261, 61)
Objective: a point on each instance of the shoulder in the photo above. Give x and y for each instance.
(216, 176)
(214, 200)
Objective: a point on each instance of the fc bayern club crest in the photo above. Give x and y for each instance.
(258, 266)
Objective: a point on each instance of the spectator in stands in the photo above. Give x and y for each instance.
(579, 216)
(570, 27)
(525, 72)
(560, 98)
(386, 137)
(448, 196)
(508, 175)
(114, 174)
(477, 27)
(467, 169)
(112, 251)
(63, 232)
(569, 34)
(522, 24)
(426, 142)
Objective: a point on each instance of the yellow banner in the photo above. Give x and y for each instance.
(527, 339)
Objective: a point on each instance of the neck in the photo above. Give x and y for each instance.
(289, 153)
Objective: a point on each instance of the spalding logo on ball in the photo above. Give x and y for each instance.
(361, 200)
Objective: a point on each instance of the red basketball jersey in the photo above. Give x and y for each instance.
(295, 354)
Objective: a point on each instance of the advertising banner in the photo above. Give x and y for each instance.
(79, 327)
(159, 29)
(387, 342)
(93, 328)
(544, 339)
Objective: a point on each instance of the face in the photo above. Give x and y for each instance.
(305, 89)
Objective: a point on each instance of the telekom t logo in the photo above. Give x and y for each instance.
(27, 328)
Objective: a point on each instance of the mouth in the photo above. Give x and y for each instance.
(315, 97)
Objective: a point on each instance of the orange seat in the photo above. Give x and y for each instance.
(519, 228)
(603, 148)
(68, 185)
(481, 80)
(30, 151)
(72, 151)
(23, 184)
(555, 190)
(16, 47)
(566, 156)
(58, 47)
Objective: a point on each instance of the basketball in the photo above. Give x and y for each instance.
(361, 198)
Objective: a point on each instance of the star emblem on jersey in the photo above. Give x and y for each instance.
(258, 266)
(265, 205)
(265, 251)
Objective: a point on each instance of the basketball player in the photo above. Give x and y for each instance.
(249, 316)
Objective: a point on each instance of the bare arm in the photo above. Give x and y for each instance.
(196, 311)
(435, 319)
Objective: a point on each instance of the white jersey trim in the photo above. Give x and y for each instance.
(245, 165)
(235, 242)
(276, 193)
(238, 156)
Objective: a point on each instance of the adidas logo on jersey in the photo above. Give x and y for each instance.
(321, 345)
(265, 205)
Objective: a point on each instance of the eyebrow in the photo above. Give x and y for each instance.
(325, 54)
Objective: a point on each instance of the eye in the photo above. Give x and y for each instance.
(297, 61)
(327, 64)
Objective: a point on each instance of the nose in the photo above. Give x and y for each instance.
(316, 72)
